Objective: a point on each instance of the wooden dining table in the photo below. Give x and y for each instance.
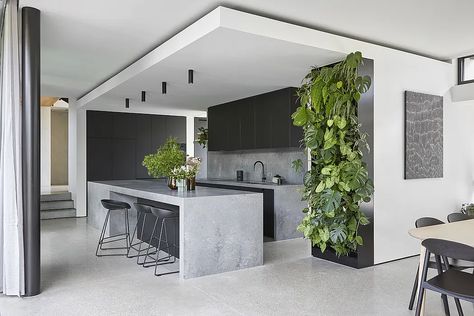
(461, 232)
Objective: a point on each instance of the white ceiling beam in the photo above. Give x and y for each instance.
(198, 29)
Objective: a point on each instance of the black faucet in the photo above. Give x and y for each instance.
(263, 169)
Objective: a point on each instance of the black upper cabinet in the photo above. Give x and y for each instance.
(259, 122)
(217, 125)
(158, 131)
(234, 139)
(100, 124)
(247, 123)
(263, 107)
(125, 126)
(118, 142)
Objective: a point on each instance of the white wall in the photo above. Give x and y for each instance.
(45, 148)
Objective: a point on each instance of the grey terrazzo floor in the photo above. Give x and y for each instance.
(75, 282)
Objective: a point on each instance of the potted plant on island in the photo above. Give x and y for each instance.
(164, 162)
(338, 181)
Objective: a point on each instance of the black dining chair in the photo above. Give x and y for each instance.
(458, 217)
(425, 222)
(450, 282)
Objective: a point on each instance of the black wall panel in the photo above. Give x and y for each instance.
(118, 142)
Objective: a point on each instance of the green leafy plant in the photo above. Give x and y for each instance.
(202, 136)
(166, 159)
(338, 181)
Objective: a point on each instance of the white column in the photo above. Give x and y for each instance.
(190, 135)
(45, 148)
(77, 157)
(72, 152)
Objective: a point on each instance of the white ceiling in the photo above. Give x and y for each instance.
(229, 65)
(85, 42)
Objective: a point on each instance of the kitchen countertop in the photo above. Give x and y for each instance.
(150, 188)
(249, 184)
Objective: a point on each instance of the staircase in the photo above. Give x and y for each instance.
(57, 205)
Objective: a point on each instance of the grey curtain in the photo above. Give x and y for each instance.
(11, 207)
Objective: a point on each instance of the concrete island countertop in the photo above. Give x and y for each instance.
(151, 189)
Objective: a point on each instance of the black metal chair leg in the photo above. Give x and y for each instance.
(102, 233)
(458, 306)
(168, 248)
(149, 244)
(134, 233)
(127, 231)
(415, 289)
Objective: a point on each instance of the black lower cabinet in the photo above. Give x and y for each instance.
(362, 258)
(268, 204)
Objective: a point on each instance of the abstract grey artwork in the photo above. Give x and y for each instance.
(423, 135)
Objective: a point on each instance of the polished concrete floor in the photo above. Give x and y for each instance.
(76, 282)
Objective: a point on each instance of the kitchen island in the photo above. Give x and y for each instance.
(220, 230)
(282, 205)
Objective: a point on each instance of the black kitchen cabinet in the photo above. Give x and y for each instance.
(247, 123)
(118, 142)
(143, 144)
(99, 156)
(217, 125)
(263, 121)
(234, 139)
(259, 122)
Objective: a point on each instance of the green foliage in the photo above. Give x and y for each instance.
(166, 159)
(338, 180)
(298, 165)
(202, 136)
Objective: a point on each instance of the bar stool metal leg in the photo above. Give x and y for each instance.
(110, 239)
(158, 261)
(102, 233)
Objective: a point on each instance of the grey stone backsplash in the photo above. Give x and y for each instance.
(223, 165)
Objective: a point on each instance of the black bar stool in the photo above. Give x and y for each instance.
(162, 218)
(143, 212)
(113, 205)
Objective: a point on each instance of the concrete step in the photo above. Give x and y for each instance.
(56, 196)
(59, 213)
(56, 205)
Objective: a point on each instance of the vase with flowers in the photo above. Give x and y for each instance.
(192, 169)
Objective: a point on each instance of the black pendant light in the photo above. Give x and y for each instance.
(163, 87)
(143, 96)
(127, 103)
(190, 76)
